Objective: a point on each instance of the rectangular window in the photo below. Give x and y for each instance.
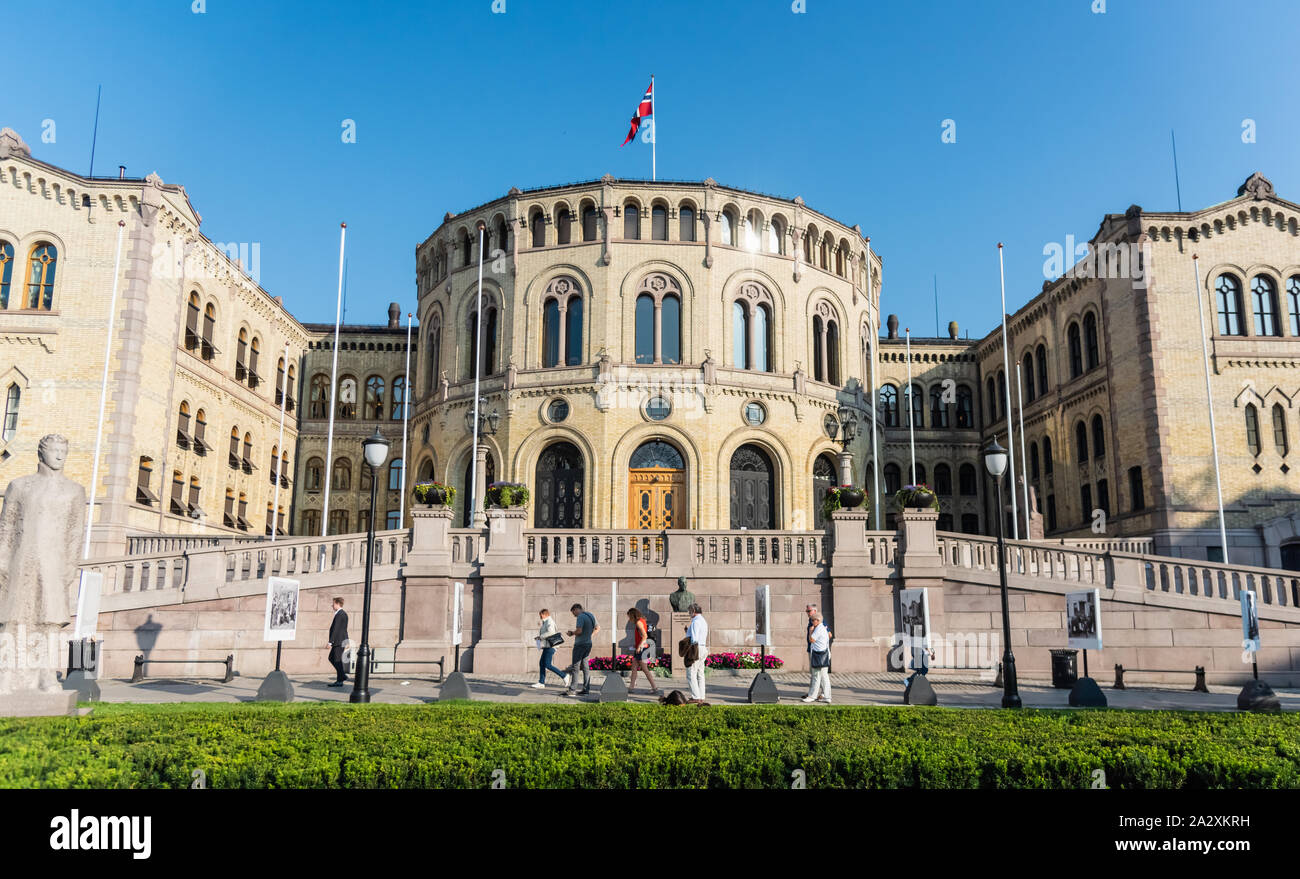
(1085, 503)
(1103, 496)
(1135, 488)
(142, 493)
(393, 520)
(1214, 554)
(178, 494)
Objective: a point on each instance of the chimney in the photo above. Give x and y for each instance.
(121, 172)
(892, 323)
(952, 329)
(394, 315)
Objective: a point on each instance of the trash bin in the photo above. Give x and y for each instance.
(1065, 668)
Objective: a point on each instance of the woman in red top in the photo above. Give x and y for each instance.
(640, 636)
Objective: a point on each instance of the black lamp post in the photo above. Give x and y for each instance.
(375, 450)
(843, 427)
(995, 461)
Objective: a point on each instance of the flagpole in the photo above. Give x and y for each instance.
(1011, 437)
(279, 463)
(332, 402)
(875, 444)
(478, 362)
(1024, 471)
(103, 394)
(1209, 400)
(911, 419)
(654, 127)
(406, 418)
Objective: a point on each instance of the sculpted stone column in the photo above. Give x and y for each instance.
(480, 485)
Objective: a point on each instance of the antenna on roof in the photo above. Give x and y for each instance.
(94, 136)
(1174, 144)
(936, 306)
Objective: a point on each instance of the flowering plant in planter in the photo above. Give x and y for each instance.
(742, 660)
(507, 494)
(916, 497)
(435, 494)
(622, 662)
(841, 496)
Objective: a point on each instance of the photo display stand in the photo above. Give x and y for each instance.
(614, 689)
(280, 625)
(1256, 695)
(1083, 632)
(456, 686)
(762, 690)
(914, 612)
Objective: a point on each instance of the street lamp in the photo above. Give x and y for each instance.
(375, 450)
(995, 461)
(843, 427)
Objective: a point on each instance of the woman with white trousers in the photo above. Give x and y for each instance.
(819, 660)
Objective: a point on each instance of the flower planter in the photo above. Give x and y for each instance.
(921, 500)
(852, 497)
(436, 497)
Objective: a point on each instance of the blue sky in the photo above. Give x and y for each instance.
(1062, 114)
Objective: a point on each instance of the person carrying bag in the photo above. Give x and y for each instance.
(819, 659)
(548, 638)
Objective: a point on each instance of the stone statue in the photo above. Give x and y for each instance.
(1035, 515)
(709, 368)
(41, 528)
(443, 385)
(683, 598)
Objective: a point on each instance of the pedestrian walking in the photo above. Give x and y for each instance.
(338, 634)
(819, 659)
(643, 650)
(698, 633)
(548, 636)
(583, 630)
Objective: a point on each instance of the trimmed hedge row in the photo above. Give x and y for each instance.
(644, 746)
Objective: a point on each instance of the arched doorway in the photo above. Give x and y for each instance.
(467, 489)
(823, 478)
(559, 487)
(753, 495)
(656, 487)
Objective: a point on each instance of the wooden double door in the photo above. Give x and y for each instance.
(655, 496)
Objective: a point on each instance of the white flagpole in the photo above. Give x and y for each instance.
(911, 420)
(406, 418)
(654, 127)
(333, 402)
(1209, 400)
(279, 463)
(875, 404)
(1011, 437)
(478, 362)
(103, 393)
(1024, 471)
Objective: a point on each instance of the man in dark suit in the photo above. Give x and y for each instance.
(338, 634)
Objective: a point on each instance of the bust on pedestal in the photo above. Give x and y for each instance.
(41, 526)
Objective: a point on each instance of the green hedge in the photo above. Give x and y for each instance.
(644, 745)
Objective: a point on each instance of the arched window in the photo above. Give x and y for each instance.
(686, 223)
(183, 426)
(839, 261)
(374, 410)
(400, 399)
(645, 328)
(311, 522)
(561, 324)
(1076, 351)
(1252, 429)
(965, 407)
(588, 223)
(247, 460)
(659, 223)
(488, 364)
(13, 398)
(551, 333)
(762, 359)
(234, 448)
(740, 334)
(1090, 340)
(942, 479)
(966, 481)
(1033, 461)
(201, 432)
(209, 349)
(435, 355)
(893, 479)
(1279, 430)
(991, 391)
(1081, 443)
(347, 403)
(241, 356)
(192, 312)
(824, 251)
(658, 320)
(807, 246)
(1041, 357)
(726, 229)
(315, 473)
(395, 475)
(537, 222)
(1263, 297)
(40, 276)
(776, 236)
(1002, 392)
(1047, 456)
(889, 405)
(559, 486)
(916, 406)
(254, 377)
(1228, 298)
(1293, 303)
(6, 272)
(1027, 370)
(826, 345)
(1098, 437)
(320, 395)
(753, 231)
(631, 221)
(341, 478)
(938, 408)
(426, 471)
(753, 491)
(501, 234)
(819, 336)
(918, 475)
(833, 351)
(562, 220)
(573, 332)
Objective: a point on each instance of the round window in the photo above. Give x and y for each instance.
(658, 408)
(557, 411)
(755, 414)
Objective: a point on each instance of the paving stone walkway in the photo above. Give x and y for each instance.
(847, 689)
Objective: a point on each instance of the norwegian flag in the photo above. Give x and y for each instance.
(644, 109)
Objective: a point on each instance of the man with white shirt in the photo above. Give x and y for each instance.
(698, 632)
